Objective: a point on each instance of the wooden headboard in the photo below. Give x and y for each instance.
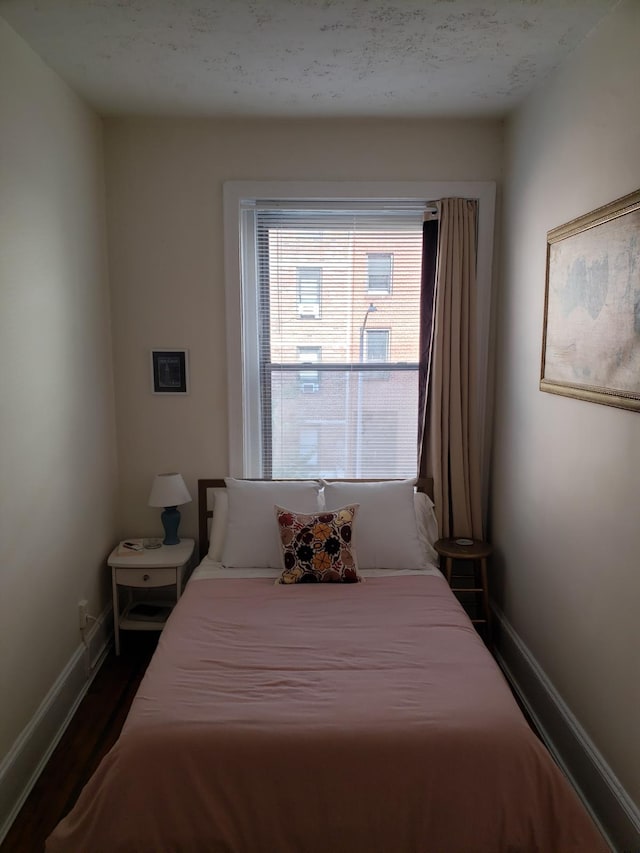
(205, 513)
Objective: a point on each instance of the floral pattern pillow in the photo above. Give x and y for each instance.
(318, 548)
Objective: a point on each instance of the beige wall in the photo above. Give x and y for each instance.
(566, 474)
(58, 465)
(165, 181)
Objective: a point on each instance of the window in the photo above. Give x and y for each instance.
(319, 420)
(309, 440)
(309, 379)
(377, 349)
(257, 426)
(379, 271)
(380, 433)
(309, 283)
(377, 345)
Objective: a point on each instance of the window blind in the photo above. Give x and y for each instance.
(336, 295)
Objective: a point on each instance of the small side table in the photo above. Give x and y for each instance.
(478, 552)
(149, 569)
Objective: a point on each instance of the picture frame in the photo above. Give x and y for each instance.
(591, 332)
(169, 371)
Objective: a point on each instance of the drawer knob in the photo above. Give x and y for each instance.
(145, 577)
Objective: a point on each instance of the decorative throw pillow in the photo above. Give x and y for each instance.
(318, 547)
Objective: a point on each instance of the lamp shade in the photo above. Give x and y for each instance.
(168, 490)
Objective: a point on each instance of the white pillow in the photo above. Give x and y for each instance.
(386, 531)
(252, 539)
(427, 525)
(218, 530)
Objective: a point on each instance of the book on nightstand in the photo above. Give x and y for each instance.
(149, 612)
(130, 547)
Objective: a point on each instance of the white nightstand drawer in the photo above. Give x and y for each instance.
(145, 577)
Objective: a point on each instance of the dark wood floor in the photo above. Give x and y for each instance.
(92, 732)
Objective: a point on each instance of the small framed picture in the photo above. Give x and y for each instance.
(170, 371)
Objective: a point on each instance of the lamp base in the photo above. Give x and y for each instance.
(170, 520)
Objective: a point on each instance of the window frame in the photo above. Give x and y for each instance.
(242, 339)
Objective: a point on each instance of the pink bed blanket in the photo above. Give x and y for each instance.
(331, 718)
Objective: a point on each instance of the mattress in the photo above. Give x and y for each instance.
(324, 718)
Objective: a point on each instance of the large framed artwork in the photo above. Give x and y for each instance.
(591, 337)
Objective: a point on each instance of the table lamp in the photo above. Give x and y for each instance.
(169, 490)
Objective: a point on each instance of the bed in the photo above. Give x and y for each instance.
(323, 717)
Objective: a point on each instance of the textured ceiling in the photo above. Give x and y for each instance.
(304, 57)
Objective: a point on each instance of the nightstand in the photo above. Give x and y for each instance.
(476, 553)
(148, 569)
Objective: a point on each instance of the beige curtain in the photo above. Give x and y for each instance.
(450, 446)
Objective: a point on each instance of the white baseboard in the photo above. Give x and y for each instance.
(21, 767)
(617, 816)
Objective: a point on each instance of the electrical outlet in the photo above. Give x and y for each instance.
(83, 613)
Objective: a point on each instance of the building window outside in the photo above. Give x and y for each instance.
(379, 272)
(380, 433)
(309, 291)
(308, 450)
(377, 349)
(309, 378)
(377, 344)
